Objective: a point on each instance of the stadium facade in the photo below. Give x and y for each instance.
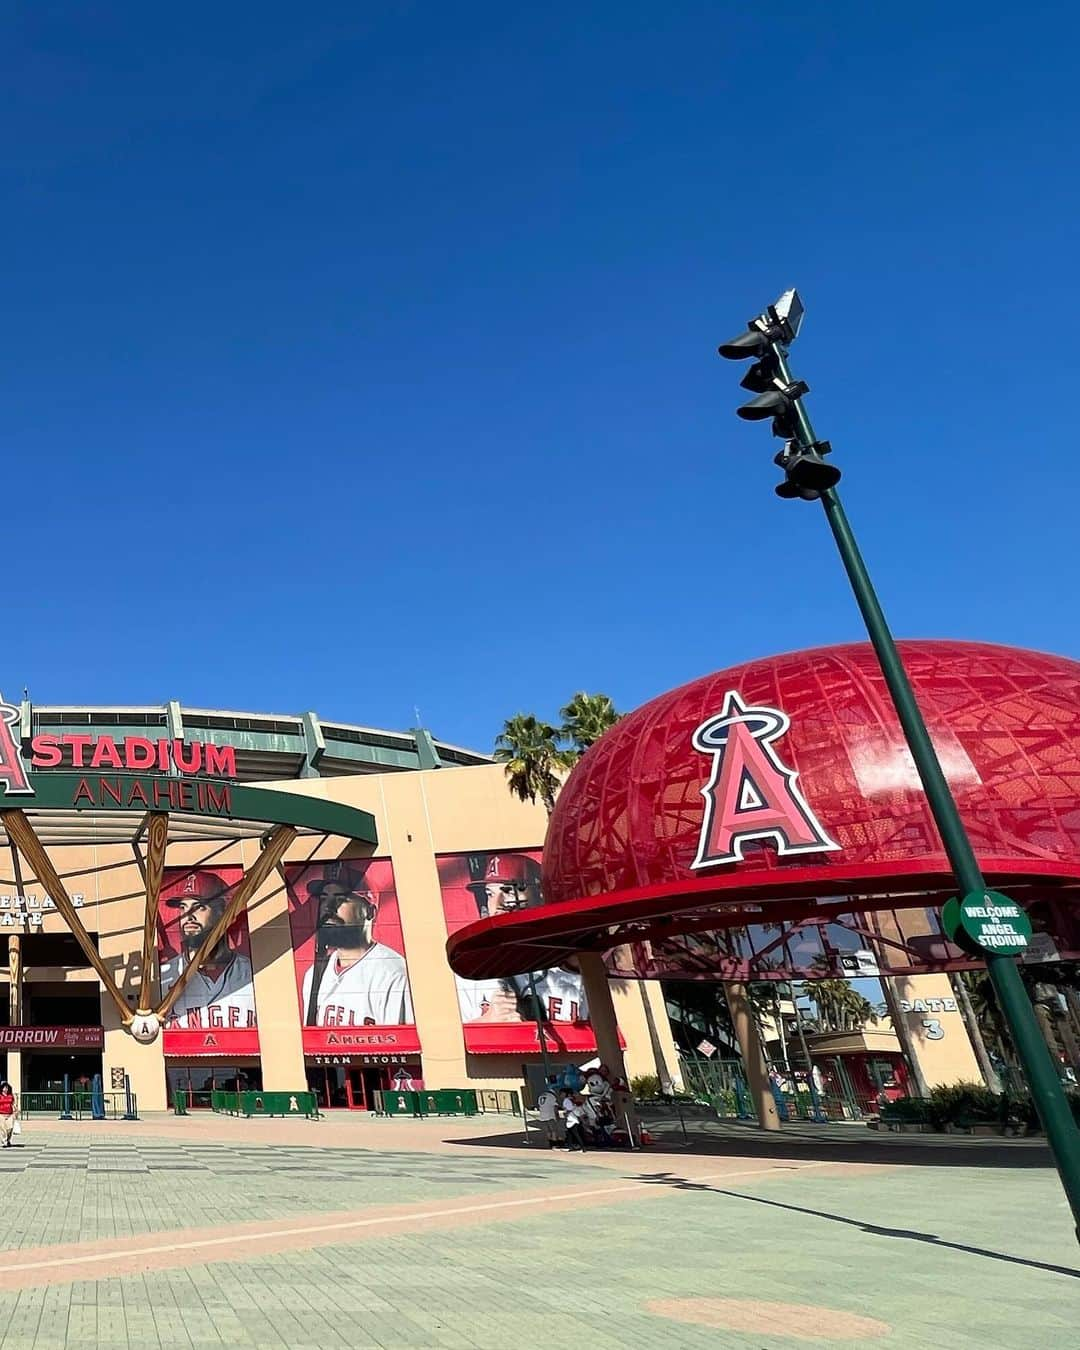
(334, 859)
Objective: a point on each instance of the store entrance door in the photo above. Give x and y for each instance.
(346, 1086)
(362, 1084)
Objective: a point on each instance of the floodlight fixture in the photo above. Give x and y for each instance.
(777, 327)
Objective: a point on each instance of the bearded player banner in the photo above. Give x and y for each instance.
(215, 1013)
(351, 977)
(500, 1016)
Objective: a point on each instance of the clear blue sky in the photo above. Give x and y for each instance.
(358, 357)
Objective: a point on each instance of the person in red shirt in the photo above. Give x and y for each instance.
(7, 1112)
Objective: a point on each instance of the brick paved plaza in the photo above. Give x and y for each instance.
(211, 1231)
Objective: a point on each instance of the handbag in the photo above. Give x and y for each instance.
(16, 1127)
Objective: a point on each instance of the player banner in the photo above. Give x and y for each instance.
(215, 1014)
(500, 1016)
(351, 976)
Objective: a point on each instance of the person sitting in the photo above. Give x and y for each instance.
(574, 1115)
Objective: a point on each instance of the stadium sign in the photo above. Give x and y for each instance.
(52, 1038)
(138, 754)
(168, 784)
(987, 921)
(129, 793)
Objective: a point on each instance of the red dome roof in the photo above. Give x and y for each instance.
(1005, 722)
(629, 825)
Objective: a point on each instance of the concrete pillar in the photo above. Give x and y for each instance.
(602, 1011)
(650, 1046)
(974, 1031)
(1072, 1048)
(143, 1064)
(904, 1036)
(746, 1033)
(605, 1027)
(15, 977)
(15, 992)
(276, 1002)
(663, 1072)
(405, 827)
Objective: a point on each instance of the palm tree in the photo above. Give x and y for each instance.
(988, 1014)
(585, 719)
(529, 749)
(840, 1007)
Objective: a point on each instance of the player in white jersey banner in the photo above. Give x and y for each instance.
(221, 995)
(499, 883)
(347, 940)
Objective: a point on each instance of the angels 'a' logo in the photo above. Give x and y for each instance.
(12, 770)
(751, 794)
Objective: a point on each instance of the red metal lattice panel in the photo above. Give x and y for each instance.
(617, 860)
(1006, 724)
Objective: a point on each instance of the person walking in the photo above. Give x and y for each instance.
(8, 1112)
(574, 1114)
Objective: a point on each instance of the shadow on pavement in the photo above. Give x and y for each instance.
(809, 1143)
(877, 1230)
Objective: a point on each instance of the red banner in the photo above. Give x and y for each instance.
(215, 1014)
(352, 981)
(222, 1045)
(499, 1015)
(57, 1038)
(342, 1040)
(561, 1038)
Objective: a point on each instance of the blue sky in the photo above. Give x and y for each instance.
(360, 358)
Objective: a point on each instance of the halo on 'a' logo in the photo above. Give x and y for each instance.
(751, 794)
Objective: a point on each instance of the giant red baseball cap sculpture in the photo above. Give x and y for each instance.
(757, 822)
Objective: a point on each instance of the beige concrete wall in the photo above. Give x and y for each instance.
(938, 1035)
(646, 1052)
(276, 1004)
(418, 816)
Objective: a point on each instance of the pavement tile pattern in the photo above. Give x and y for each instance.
(697, 1251)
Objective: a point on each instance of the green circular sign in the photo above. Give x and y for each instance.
(987, 921)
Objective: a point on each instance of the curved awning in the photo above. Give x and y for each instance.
(152, 811)
(95, 808)
(550, 935)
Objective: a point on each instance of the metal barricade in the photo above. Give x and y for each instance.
(73, 1105)
(498, 1101)
(427, 1102)
(254, 1103)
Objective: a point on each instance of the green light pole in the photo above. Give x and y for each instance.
(810, 477)
(538, 1009)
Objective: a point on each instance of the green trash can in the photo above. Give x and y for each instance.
(179, 1103)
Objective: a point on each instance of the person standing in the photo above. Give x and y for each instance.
(8, 1112)
(547, 1105)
